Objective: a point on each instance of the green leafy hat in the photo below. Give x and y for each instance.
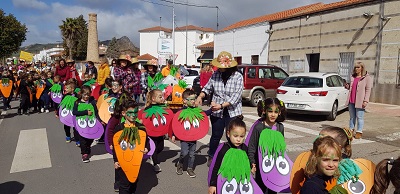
(235, 164)
(68, 102)
(56, 88)
(191, 114)
(272, 142)
(84, 107)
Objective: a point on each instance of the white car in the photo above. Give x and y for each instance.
(193, 73)
(314, 93)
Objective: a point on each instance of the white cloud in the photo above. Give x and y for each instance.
(30, 4)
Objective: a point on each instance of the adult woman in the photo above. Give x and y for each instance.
(113, 65)
(104, 71)
(358, 98)
(150, 70)
(125, 73)
(226, 85)
(205, 75)
(137, 88)
(62, 70)
(72, 72)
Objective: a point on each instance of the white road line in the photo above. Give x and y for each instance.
(389, 137)
(32, 151)
(289, 135)
(298, 147)
(101, 157)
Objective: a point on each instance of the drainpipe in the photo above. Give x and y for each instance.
(379, 43)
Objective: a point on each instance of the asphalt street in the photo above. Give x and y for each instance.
(34, 157)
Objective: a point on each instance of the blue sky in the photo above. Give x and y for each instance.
(117, 18)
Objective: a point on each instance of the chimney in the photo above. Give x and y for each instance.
(93, 44)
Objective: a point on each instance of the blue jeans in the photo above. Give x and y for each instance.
(218, 126)
(188, 147)
(136, 97)
(356, 114)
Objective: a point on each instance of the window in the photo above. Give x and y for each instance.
(254, 59)
(337, 81)
(264, 73)
(303, 82)
(329, 82)
(238, 60)
(192, 72)
(285, 62)
(279, 73)
(346, 63)
(251, 72)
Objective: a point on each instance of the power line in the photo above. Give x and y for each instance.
(156, 3)
(187, 4)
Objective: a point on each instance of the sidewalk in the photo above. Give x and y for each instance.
(383, 109)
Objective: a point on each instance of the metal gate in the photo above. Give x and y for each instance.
(285, 62)
(346, 64)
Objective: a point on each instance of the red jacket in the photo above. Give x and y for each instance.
(62, 72)
(204, 77)
(70, 74)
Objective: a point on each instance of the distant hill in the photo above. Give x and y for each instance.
(36, 48)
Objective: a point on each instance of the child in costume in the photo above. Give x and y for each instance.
(189, 147)
(6, 77)
(272, 112)
(322, 165)
(131, 143)
(69, 90)
(342, 135)
(85, 99)
(230, 169)
(155, 107)
(45, 98)
(384, 175)
(24, 93)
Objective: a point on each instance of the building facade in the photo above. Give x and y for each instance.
(186, 51)
(333, 37)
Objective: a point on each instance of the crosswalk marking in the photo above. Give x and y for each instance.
(389, 137)
(32, 151)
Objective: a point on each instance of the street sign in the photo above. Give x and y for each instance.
(165, 46)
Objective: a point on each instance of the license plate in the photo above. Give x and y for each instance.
(291, 105)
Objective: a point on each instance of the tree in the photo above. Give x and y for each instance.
(81, 47)
(12, 34)
(72, 31)
(112, 50)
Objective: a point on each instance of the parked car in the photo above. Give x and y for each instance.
(314, 93)
(193, 73)
(260, 81)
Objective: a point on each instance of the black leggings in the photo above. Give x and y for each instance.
(159, 143)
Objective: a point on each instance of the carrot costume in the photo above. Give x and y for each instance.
(129, 140)
(6, 85)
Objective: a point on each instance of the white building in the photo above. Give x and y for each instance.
(185, 48)
(246, 40)
(44, 55)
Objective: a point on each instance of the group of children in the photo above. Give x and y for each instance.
(331, 146)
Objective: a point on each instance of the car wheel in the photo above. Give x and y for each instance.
(332, 115)
(256, 97)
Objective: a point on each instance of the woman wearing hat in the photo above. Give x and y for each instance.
(72, 72)
(137, 88)
(125, 73)
(150, 70)
(226, 85)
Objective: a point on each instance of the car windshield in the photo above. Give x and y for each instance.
(303, 82)
(192, 72)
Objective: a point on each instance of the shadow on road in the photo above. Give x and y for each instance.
(11, 187)
(148, 179)
(309, 118)
(98, 149)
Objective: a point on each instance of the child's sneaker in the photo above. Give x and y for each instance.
(85, 158)
(42, 110)
(47, 111)
(179, 168)
(68, 139)
(78, 144)
(191, 173)
(157, 168)
(116, 187)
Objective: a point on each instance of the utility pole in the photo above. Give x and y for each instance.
(187, 1)
(173, 30)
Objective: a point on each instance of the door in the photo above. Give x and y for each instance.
(313, 62)
(251, 78)
(285, 61)
(267, 81)
(346, 63)
(338, 83)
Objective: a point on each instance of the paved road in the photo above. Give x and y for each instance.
(56, 167)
